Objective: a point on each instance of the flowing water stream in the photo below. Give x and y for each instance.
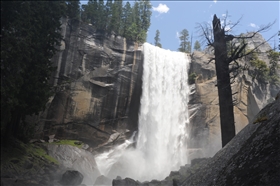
(163, 121)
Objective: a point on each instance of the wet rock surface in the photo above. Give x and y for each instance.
(75, 158)
(71, 177)
(103, 181)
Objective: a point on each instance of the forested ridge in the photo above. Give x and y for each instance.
(131, 21)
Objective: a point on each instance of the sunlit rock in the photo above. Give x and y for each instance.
(76, 159)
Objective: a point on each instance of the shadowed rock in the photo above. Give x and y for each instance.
(72, 177)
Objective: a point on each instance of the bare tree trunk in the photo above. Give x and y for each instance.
(223, 83)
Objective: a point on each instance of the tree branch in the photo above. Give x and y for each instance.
(262, 29)
(205, 34)
(212, 59)
(236, 54)
(251, 52)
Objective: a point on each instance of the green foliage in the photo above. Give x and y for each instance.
(192, 78)
(262, 117)
(39, 152)
(131, 33)
(127, 19)
(131, 22)
(260, 69)
(145, 14)
(30, 32)
(157, 39)
(73, 9)
(274, 58)
(232, 45)
(115, 22)
(74, 143)
(19, 152)
(185, 45)
(197, 46)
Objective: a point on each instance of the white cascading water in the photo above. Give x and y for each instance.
(163, 120)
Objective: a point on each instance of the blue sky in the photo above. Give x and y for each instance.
(171, 17)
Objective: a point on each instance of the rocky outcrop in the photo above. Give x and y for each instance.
(249, 97)
(250, 158)
(97, 85)
(74, 158)
(72, 177)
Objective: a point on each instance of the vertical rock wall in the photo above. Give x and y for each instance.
(249, 97)
(96, 78)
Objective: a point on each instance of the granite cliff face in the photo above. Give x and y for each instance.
(250, 96)
(98, 80)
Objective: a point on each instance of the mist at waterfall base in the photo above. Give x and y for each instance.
(163, 120)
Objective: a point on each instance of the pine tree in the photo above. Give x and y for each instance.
(101, 16)
(157, 39)
(126, 19)
(274, 58)
(30, 32)
(129, 21)
(115, 22)
(92, 14)
(197, 46)
(108, 13)
(73, 9)
(185, 44)
(135, 28)
(145, 15)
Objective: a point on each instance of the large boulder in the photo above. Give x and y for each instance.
(103, 181)
(77, 159)
(72, 177)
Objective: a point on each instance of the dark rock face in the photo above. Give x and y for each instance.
(126, 181)
(131, 182)
(102, 181)
(251, 158)
(72, 177)
(98, 81)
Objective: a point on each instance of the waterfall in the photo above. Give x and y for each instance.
(163, 120)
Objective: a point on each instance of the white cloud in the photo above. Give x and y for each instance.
(253, 25)
(215, 1)
(227, 28)
(161, 8)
